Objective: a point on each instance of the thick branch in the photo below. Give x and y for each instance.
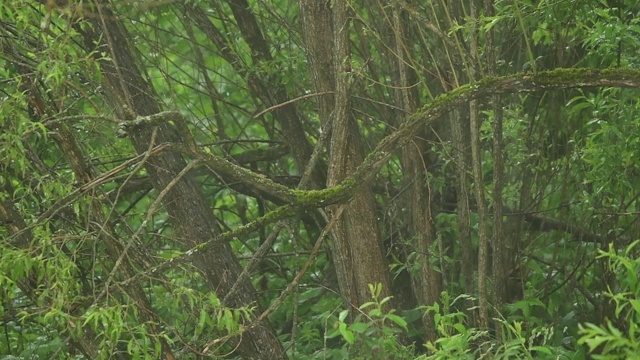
(303, 200)
(517, 83)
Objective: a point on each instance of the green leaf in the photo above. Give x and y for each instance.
(367, 304)
(343, 315)
(398, 320)
(346, 333)
(359, 327)
(202, 319)
(542, 349)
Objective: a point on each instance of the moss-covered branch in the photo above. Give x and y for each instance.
(299, 200)
(516, 83)
(548, 80)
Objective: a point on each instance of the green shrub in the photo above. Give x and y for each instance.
(622, 340)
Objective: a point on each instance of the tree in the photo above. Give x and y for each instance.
(243, 179)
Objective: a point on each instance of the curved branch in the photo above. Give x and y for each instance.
(517, 83)
(300, 200)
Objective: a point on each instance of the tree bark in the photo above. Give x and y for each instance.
(132, 96)
(356, 249)
(427, 282)
(263, 86)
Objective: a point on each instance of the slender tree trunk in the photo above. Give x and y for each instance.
(427, 282)
(461, 154)
(498, 242)
(475, 72)
(263, 86)
(357, 249)
(131, 96)
(117, 250)
(483, 230)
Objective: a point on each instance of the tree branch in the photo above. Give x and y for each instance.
(300, 200)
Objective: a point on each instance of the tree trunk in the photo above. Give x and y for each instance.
(427, 282)
(356, 247)
(132, 96)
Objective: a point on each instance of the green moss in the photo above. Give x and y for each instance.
(271, 217)
(485, 86)
(567, 76)
(456, 94)
(318, 198)
(562, 76)
(622, 74)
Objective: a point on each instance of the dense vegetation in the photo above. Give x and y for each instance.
(319, 179)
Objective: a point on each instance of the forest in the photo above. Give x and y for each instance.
(319, 179)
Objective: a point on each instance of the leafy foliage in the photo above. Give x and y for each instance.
(100, 259)
(619, 336)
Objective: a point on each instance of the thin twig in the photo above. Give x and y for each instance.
(269, 109)
(289, 288)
